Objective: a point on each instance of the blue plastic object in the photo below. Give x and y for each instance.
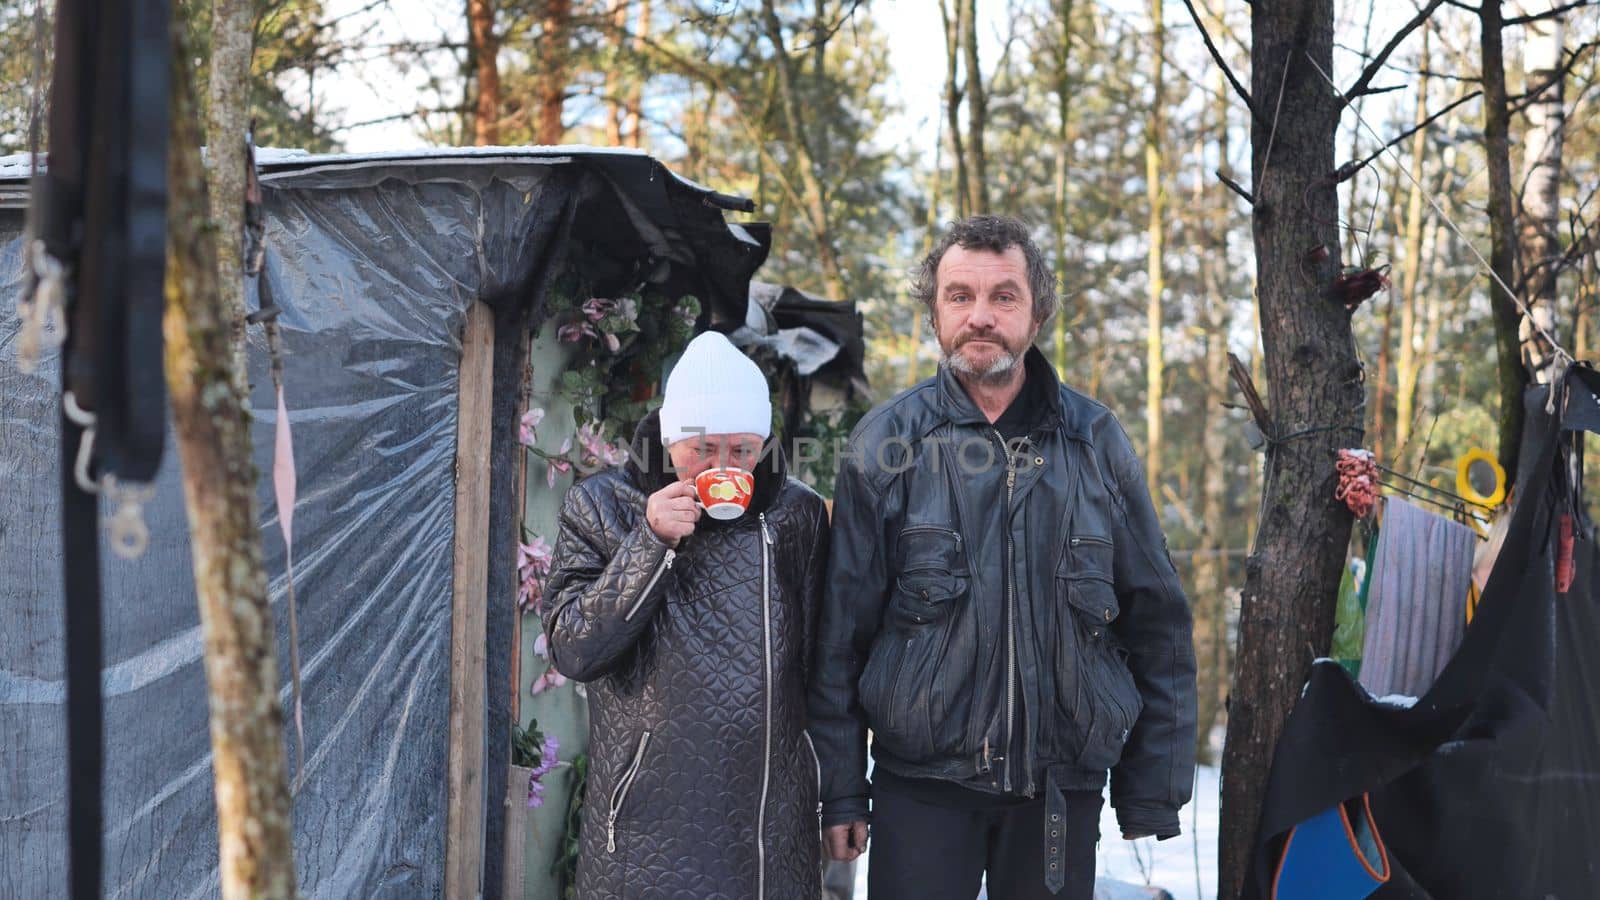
(1336, 854)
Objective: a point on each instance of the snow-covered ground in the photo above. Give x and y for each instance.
(1186, 865)
(1170, 864)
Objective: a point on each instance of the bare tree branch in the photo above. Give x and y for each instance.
(1347, 170)
(396, 117)
(1547, 14)
(1426, 73)
(1582, 243)
(1217, 57)
(1521, 101)
(1377, 62)
(1237, 188)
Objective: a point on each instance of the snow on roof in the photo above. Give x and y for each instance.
(276, 156)
(17, 168)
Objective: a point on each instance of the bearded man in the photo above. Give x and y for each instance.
(1001, 612)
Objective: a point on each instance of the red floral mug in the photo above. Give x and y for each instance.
(724, 492)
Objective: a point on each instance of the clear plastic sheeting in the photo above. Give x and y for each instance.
(373, 276)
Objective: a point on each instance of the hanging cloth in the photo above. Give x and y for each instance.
(1350, 620)
(1414, 617)
(1372, 559)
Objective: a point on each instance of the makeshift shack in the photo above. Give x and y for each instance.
(409, 285)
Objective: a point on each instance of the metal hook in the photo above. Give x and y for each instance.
(44, 320)
(128, 532)
(84, 420)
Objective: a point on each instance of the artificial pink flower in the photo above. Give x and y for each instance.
(573, 331)
(550, 679)
(530, 422)
(559, 463)
(596, 308)
(596, 450)
(533, 564)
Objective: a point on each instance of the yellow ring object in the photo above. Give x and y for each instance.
(1464, 483)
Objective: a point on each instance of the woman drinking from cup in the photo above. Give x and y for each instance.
(684, 590)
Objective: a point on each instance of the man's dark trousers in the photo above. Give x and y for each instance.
(926, 850)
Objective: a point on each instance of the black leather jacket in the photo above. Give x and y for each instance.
(702, 781)
(975, 607)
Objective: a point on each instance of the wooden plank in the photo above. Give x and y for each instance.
(524, 400)
(468, 614)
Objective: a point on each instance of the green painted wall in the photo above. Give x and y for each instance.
(559, 711)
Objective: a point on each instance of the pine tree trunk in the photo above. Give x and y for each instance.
(613, 74)
(1315, 392)
(919, 316)
(1063, 91)
(1502, 249)
(1587, 296)
(1155, 196)
(1211, 565)
(1540, 242)
(486, 54)
(977, 116)
(227, 124)
(1382, 393)
(817, 208)
(555, 63)
(213, 437)
(635, 118)
(953, 26)
(1405, 370)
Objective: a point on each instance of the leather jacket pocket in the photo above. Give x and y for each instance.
(899, 687)
(1095, 691)
(619, 792)
(932, 575)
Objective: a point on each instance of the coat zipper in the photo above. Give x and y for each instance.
(655, 576)
(818, 761)
(620, 793)
(931, 529)
(1094, 634)
(766, 679)
(1011, 613)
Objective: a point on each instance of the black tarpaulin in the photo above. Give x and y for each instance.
(1489, 785)
(373, 262)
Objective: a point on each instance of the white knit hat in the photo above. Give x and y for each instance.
(715, 389)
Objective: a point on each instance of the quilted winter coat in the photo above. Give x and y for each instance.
(702, 780)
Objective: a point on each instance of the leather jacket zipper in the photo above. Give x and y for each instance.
(620, 792)
(1011, 611)
(766, 680)
(661, 569)
(933, 529)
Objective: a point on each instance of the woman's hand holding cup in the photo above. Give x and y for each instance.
(672, 512)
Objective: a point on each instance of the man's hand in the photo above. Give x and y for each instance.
(672, 513)
(846, 842)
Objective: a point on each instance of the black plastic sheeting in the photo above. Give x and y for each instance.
(1489, 786)
(373, 266)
